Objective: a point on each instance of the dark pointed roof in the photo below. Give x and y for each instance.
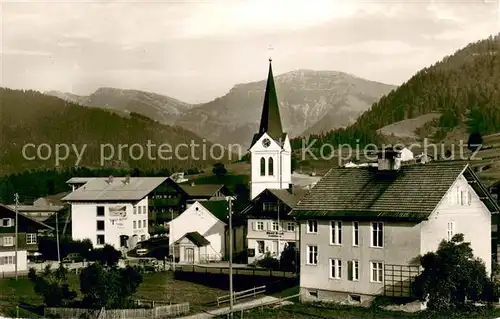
(270, 120)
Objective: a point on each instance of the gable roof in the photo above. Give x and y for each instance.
(21, 216)
(202, 190)
(289, 199)
(54, 199)
(413, 192)
(218, 208)
(196, 238)
(100, 189)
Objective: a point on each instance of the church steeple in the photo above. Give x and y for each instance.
(270, 121)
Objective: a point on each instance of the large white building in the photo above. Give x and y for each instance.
(112, 211)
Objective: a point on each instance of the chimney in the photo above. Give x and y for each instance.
(389, 159)
(290, 188)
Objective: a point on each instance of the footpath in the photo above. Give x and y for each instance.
(237, 307)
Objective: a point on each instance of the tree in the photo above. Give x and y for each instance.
(451, 276)
(475, 141)
(107, 256)
(109, 287)
(52, 286)
(289, 259)
(219, 170)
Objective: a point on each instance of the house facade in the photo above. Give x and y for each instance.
(112, 210)
(270, 227)
(209, 220)
(363, 230)
(27, 239)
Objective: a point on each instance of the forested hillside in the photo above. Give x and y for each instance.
(463, 87)
(31, 117)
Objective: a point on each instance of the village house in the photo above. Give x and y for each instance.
(112, 210)
(363, 229)
(28, 230)
(270, 228)
(198, 234)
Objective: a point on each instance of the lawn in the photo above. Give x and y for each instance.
(301, 311)
(157, 286)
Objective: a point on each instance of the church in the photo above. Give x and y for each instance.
(268, 228)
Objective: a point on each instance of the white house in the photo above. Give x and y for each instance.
(270, 150)
(362, 230)
(112, 211)
(205, 223)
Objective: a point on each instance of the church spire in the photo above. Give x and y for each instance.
(270, 121)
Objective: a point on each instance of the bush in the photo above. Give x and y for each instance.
(52, 286)
(268, 262)
(107, 256)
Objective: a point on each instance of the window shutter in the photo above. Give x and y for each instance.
(269, 225)
(12, 222)
(254, 225)
(349, 270)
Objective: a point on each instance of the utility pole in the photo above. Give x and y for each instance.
(57, 240)
(231, 301)
(16, 198)
(171, 238)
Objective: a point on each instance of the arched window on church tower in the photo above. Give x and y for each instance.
(262, 166)
(271, 166)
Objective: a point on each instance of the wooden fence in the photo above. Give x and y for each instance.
(156, 312)
(250, 271)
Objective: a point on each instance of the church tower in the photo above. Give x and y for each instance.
(270, 151)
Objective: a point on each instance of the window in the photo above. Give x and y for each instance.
(462, 198)
(270, 207)
(271, 166)
(100, 225)
(262, 166)
(135, 210)
(260, 225)
(8, 241)
(7, 260)
(353, 270)
(451, 230)
(30, 239)
(312, 255)
(355, 233)
(290, 226)
(377, 234)
(135, 224)
(260, 246)
(138, 224)
(100, 239)
(335, 268)
(376, 273)
(458, 195)
(144, 209)
(139, 210)
(336, 233)
(312, 226)
(7, 222)
(275, 226)
(144, 224)
(469, 199)
(100, 210)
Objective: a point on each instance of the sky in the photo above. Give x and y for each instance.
(196, 51)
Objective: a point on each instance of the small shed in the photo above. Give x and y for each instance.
(190, 247)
